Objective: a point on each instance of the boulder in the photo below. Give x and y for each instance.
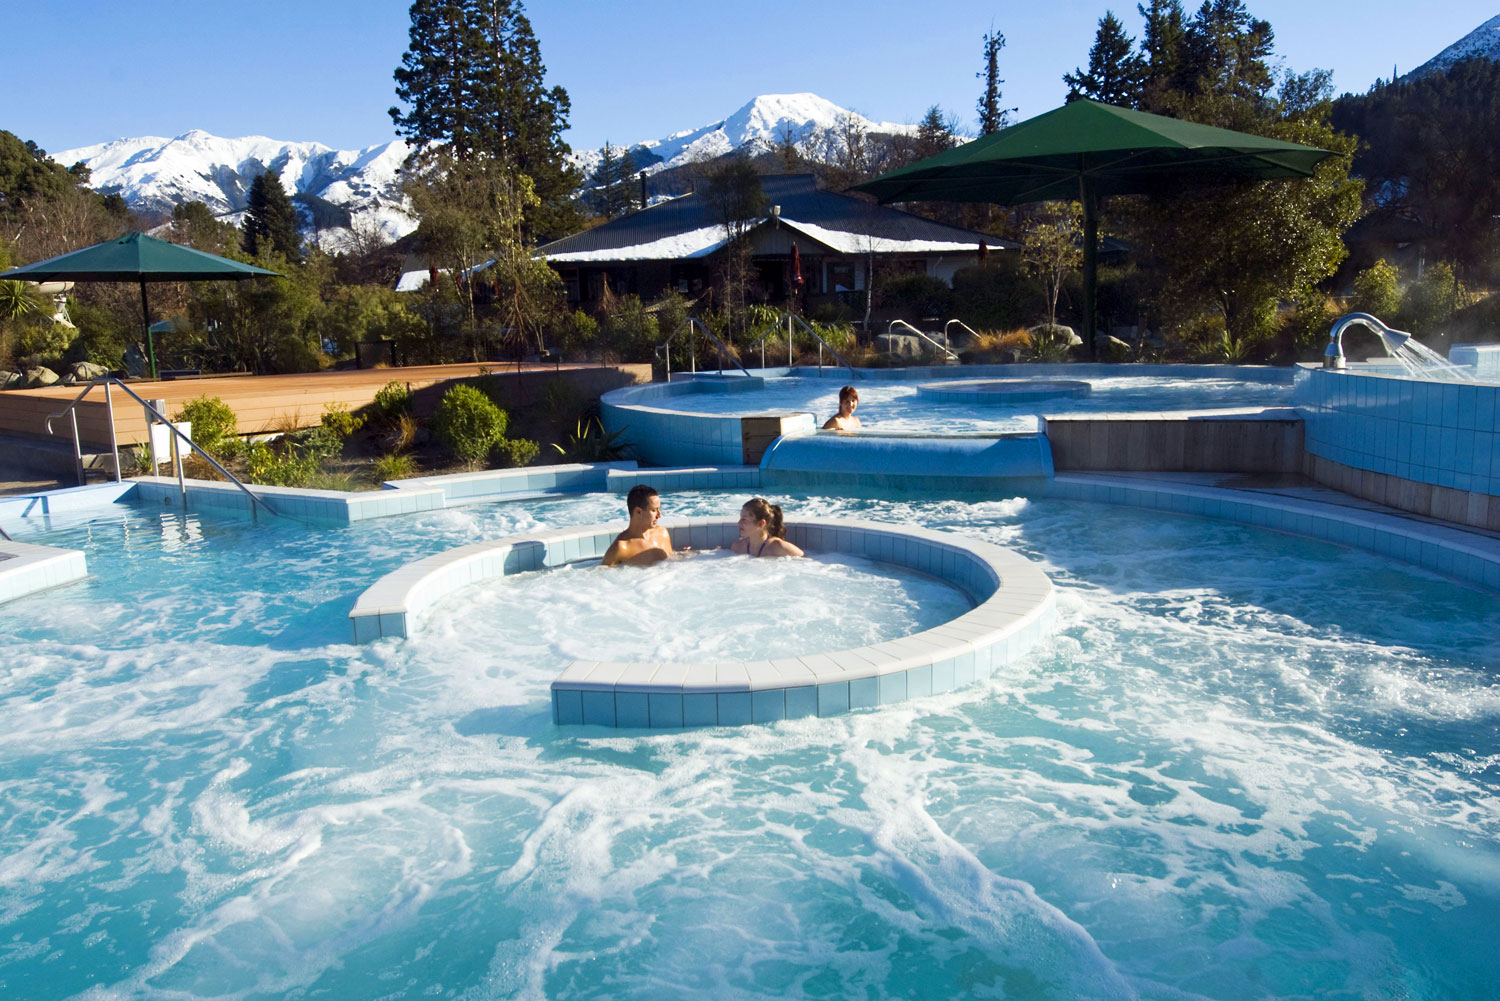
(1055, 332)
(10, 380)
(38, 377)
(1112, 348)
(83, 371)
(136, 363)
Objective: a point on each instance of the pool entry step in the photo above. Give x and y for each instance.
(919, 463)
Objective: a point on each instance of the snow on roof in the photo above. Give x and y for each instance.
(694, 243)
(846, 242)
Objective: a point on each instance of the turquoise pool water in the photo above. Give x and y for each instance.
(897, 406)
(1246, 765)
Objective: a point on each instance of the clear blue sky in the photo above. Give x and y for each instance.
(321, 69)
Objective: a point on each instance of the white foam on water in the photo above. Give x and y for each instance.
(1228, 765)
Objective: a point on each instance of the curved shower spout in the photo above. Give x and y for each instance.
(1390, 339)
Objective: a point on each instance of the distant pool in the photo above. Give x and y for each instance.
(1245, 765)
(899, 406)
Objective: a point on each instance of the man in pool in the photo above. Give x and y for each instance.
(844, 420)
(644, 541)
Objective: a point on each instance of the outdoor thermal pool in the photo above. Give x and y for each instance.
(895, 403)
(1244, 765)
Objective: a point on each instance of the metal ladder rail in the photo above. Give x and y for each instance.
(902, 323)
(6, 535)
(692, 324)
(106, 382)
(971, 331)
(793, 317)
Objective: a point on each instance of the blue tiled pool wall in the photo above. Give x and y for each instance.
(1448, 551)
(1484, 359)
(957, 465)
(1442, 433)
(671, 710)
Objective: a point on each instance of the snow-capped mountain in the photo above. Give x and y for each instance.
(340, 188)
(759, 126)
(1481, 43)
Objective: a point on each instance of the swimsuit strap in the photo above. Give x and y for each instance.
(762, 546)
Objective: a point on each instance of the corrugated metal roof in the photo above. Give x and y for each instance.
(689, 227)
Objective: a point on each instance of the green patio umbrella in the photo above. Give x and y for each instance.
(1086, 150)
(136, 257)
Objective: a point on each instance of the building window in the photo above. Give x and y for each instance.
(840, 277)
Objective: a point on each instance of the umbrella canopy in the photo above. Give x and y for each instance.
(136, 257)
(1085, 150)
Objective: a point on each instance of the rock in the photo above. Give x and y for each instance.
(10, 380)
(136, 363)
(39, 376)
(1055, 332)
(1112, 348)
(84, 371)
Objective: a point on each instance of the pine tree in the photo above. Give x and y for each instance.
(472, 78)
(270, 219)
(1115, 74)
(992, 117)
(434, 79)
(934, 134)
(1161, 46)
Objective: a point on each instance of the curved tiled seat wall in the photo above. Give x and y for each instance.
(26, 568)
(949, 464)
(1013, 608)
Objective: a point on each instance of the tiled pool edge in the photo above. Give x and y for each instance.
(1014, 608)
(26, 569)
(1449, 551)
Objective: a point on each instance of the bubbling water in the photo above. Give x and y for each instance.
(1245, 765)
(699, 607)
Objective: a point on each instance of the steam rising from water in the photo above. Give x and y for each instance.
(1245, 765)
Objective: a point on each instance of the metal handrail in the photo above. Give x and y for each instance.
(790, 318)
(972, 332)
(902, 323)
(106, 382)
(665, 347)
(6, 535)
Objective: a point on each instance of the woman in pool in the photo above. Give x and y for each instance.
(844, 420)
(762, 532)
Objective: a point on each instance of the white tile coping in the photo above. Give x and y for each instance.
(1013, 606)
(26, 568)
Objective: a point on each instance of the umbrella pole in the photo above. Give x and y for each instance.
(146, 316)
(1090, 264)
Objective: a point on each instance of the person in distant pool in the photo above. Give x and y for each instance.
(762, 531)
(644, 541)
(844, 420)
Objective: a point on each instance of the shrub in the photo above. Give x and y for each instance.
(391, 401)
(918, 296)
(215, 429)
(1431, 301)
(1376, 291)
(338, 420)
(514, 452)
(468, 424)
(576, 331)
(402, 434)
(393, 467)
(279, 469)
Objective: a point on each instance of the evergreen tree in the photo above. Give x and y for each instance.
(472, 79)
(1116, 73)
(1161, 50)
(934, 134)
(270, 220)
(434, 79)
(992, 117)
(613, 183)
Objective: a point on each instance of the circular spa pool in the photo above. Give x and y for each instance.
(900, 405)
(1243, 764)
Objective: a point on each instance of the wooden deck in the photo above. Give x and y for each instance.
(263, 403)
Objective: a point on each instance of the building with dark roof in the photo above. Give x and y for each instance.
(830, 238)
